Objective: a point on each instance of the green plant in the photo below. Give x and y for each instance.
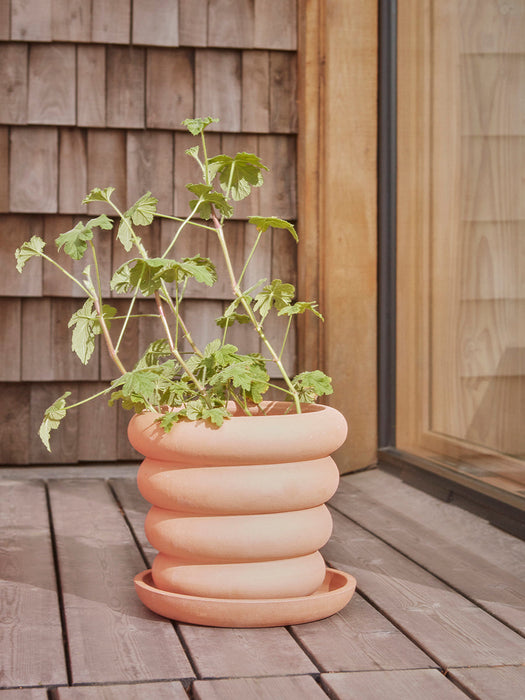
(198, 385)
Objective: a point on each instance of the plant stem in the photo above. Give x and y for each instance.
(174, 349)
(109, 343)
(249, 311)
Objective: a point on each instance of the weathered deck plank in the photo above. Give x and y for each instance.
(502, 682)
(31, 648)
(359, 638)
(483, 563)
(171, 690)
(231, 653)
(112, 637)
(451, 629)
(289, 687)
(394, 685)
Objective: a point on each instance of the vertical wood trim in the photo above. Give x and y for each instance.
(338, 47)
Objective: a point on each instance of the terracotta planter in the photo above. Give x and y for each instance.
(238, 514)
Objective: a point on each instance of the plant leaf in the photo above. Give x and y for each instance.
(120, 281)
(52, 417)
(264, 222)
(75, 241)
(239, 174)
(227, 321)
(310, 385)
(99, 195)
(143, 211)
(277, 293)
(299, 308)
(125, 233)
(27, 250)
(208, 198)
(86, 326)
(196, 126)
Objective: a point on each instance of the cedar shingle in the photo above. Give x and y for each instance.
(269, 34)
(283, 92)
(31, 20)
(277, 197)
(193, 23)
(111, 21)
(14, 230)
(10, 313)
(218, 87)
(33, 169)
(231, 23)
(91, 86)
(4, 169)
(150, 167)
(13, 83)
(156, 22)
(52, 84)
(71, 20)
(107, 167)
(256, 91)
(125, 92)
(169, 87)
(72, 177)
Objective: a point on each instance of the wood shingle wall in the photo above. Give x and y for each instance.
(92, 94)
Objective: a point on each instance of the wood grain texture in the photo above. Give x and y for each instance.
(149, 167)
(97, 438)
(52, 84)
(135, 508)
(231, 23)
(98, 560)
(366, 641)
(24, 694)
(14, 446)
(486, 566)
(72, 170)
(14, 231)
(5, 19)
(31, 20)
(256, 91)
(10, 339)
(91, 85)
(125, 87)
(218, 87)
(292, 687)
(31, 640)
(13, 83)
(155, 22)
(111, 22)
(504, 682)
(33, 188)
(107, 167)
(4, 169)
(457, 632)
(268, 34)
(71, 20)
(232, 653)
(278, 196)
(283, 92)
(193, 23)
(396, 685)
(160, 691)
(169, 87)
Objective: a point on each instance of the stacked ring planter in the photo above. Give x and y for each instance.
(238, 517)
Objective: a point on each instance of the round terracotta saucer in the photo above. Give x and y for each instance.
(335, 592)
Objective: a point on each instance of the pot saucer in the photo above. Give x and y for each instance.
(334, 593)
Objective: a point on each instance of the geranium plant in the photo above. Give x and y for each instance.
(181, 385)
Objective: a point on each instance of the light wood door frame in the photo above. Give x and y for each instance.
(337, 209)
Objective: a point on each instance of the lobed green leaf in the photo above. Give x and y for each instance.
(52, 417)
(265, 222)
(28, 249)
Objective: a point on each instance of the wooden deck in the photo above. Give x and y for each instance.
(439, 613)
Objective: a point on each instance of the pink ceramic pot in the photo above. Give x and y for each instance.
(238, 511)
